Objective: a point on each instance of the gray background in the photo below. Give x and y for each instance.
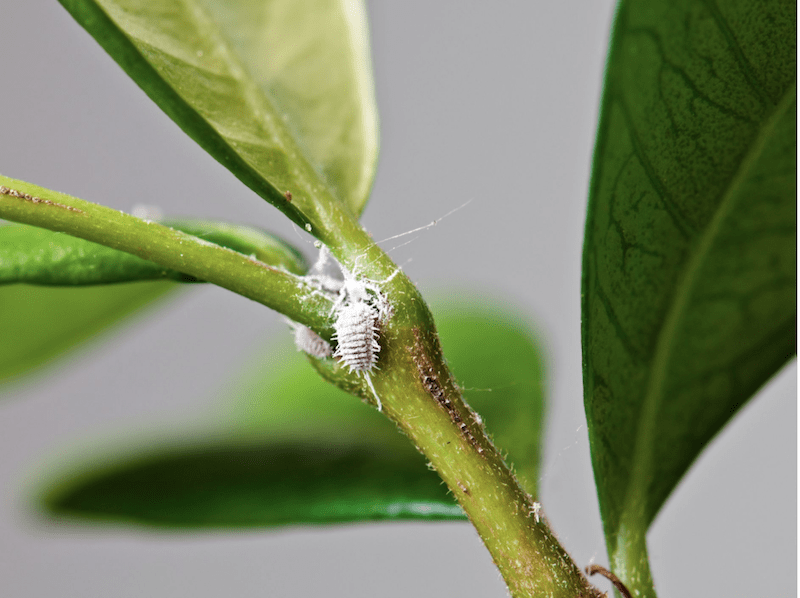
(493, 102)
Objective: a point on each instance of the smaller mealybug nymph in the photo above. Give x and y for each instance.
(310, 342)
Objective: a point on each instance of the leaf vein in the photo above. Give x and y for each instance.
(670, 206)
(747, 69)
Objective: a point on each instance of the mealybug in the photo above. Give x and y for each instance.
(359, 308)
(357, 336)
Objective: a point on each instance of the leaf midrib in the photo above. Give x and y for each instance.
(633, 511)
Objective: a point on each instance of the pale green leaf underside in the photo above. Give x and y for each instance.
(312, 59)
(689, 261)
(279, 92)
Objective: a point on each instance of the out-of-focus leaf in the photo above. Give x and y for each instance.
(298, 450)
(38, 256)
(39, 323)
(280, 92)
(689, 282)
(238, 485)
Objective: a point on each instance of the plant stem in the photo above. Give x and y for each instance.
(277, 289)
(420, 396)
(418, 393)
(630, 559)
(414, 384)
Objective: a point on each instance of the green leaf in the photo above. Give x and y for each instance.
(37, 256)
(689, 280)
(279, 92)
(298, 450)
(236, 485)
(40, 324)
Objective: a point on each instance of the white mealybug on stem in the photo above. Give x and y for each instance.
(357, 336)
(360, 307)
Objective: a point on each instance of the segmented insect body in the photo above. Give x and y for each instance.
(357, 336)
(359, 307)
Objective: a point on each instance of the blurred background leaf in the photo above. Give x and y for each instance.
(689, 280)
(41, 323)
(293, 449)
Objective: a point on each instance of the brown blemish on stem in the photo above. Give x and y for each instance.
(430, 381)
(288, 196)
(36, 200)
(592, 569)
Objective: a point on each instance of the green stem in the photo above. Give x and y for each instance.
(284, 292)
(630, 560)
(414, 384)
(419, 394)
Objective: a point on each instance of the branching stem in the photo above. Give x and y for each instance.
(414, 384)
(275, 288)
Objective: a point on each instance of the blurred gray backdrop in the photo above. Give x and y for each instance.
(493, 102)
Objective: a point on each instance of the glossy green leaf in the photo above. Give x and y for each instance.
(297, 450)
(689, 282)
(40, 323)
(279, 92)
(38, 256)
